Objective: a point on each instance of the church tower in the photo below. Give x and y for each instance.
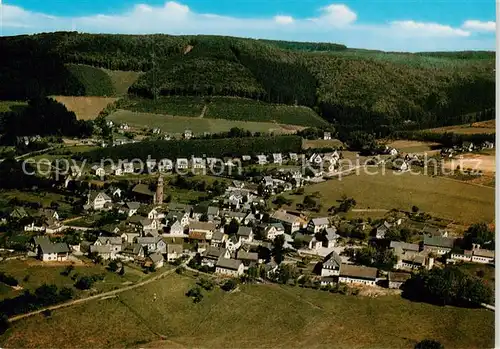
(159, 191)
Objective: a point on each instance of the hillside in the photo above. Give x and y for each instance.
(355, 89)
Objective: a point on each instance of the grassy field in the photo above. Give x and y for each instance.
(321, 143)
(255, 316)
(85, 108)
(414, 146)
(122, 80)
(476, 127)
(32, 273)
(251, 110)
(438, 196)
(174, 105)
(11, 105)
(176, 124)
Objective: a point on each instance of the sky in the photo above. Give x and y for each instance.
(391, 25)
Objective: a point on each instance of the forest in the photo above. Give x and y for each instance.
(374, 91)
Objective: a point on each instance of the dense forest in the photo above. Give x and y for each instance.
(373, 91)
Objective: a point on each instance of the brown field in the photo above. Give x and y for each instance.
(476, 127)
(485, 163)
(321, 143)
(85, 108)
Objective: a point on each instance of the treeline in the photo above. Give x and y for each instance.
(43, 117)
(43, 296)
(198, 147)
(306, 46)
(447, 286)
(447, 139)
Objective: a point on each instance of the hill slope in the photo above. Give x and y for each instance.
(356, 89)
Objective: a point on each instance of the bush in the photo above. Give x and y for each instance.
(229, 285)
(206, 284)
(429, 344)
(8, 280)
(195, 293)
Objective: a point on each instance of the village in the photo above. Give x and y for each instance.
(235, 232)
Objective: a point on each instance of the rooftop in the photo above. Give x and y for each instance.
(357, 271)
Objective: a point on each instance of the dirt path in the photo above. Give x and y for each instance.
(203, 111)
(96, 297)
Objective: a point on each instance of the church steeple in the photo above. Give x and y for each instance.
(159, 191)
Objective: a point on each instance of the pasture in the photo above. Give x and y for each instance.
(122, 80)
(178, 124)
(254, 316)
(321, 143)
(414, 146)
(85, 108)
(438, 196)
(467, 129)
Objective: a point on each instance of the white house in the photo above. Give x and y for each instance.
(291, 222)
(213, 254)
(261, 159)
(277, 158)
(317, 225)
(229, 267)
(53, 252)
(128, 167)
(273, 230)
(198, 163)
(355, 274)
(165, 165)
(246, 234)
(202, 228)
(176, 229)
(331, 265)
(330, 238)
(188, 134)
(233, 243)
(174, 251)
(98, 200)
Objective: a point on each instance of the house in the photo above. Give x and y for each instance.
(382, 229)
(103, 251)
(150, 164)
(330, 239)
(261, 159)
(317, 225)
(18, 213)
(246, 158)
(218, 239)
(273, 230)
(293, 157)
(212, 212)
(393, 151)
(182, 164)
(37, 241)
(467, 146)
(400, 166)
(409, 260)
(248, 258)
(128, 167)
(98, 201)
(155, 214)
(132, 252)
(98, 171)
(53, 252)
(355, 274)
(397, 279)
(331, 265)
(229, 267)
(142, 192)
(233, 243)
(188, 134)
(246, 234)
(165, 165)
(434, 231)
(176, 229)
(488, 145)
(204, 228)
(48, 213)
(327, 136)
(155, 259)
(438, 244)
(291, 222)
(476, 255)
(404, 246)
(316, 159)
(277, 158)
(178, 215)
(114, 242)
(129, 237)
(130, 208)
(213, 254)
(174, 251)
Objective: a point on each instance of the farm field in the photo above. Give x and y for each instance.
(263, 316)
(438, 196)
(251, 110)
(414, 146)
(485, 162)
(476, 127)
(122, 80)
(177, 124)
(172, 105)
(321, 143)
(85, 108)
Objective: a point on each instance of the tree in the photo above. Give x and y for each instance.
(479, 233)
(281, 200)
(414, 209)
(84, 283)
(113, 266)
(195, 293)
(429, 344)
(122, 271)
(278, 249)
(229, 285)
